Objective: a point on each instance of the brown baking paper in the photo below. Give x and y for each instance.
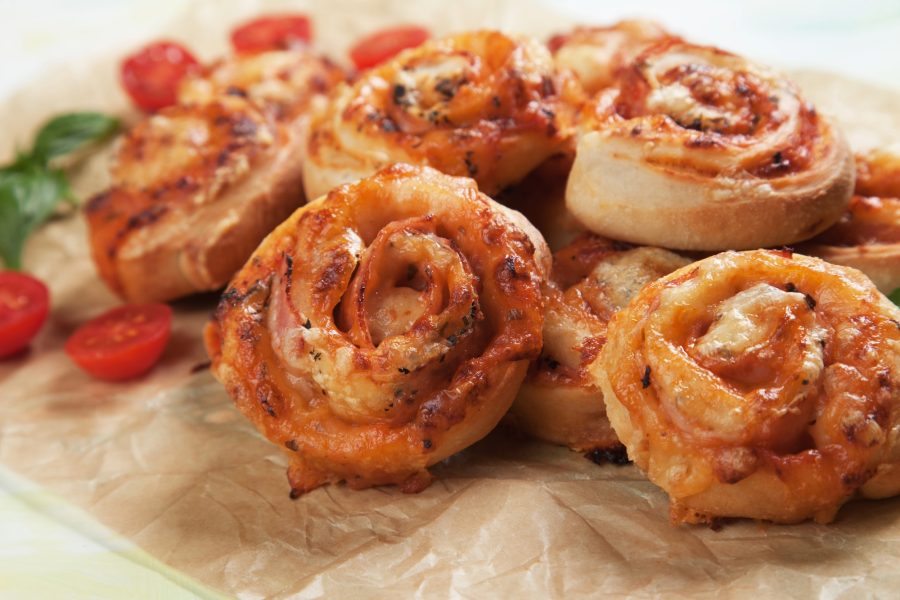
(170, 464)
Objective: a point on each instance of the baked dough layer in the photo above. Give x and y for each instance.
(699, 149)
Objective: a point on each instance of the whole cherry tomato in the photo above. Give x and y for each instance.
(24, 304)
(272, 32)
(384, 44)
(151, 75)
(122, 343)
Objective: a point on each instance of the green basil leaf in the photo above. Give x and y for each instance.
(27, 198)
(895, 296)
(67, 133)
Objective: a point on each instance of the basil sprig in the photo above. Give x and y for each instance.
(895, 296)
(30, 188)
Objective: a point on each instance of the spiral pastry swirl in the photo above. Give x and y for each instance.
(867, 237)
(699, 149)
(382, 328)
(593, 278)
(480, 104)
(598, 55)
(758, 384)
(196, 186)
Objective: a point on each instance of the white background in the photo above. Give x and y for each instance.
(858, 38)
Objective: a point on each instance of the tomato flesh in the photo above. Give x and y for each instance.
(151, 75)
(24, 305)
(122, 343)
(272, 32)
(376, 48)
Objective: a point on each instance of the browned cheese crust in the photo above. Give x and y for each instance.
(599, 55)
(382, 327)
(593, 277)
(480, 104)
(760, 384)
(867, 237)
(698, 149)
(198, 185)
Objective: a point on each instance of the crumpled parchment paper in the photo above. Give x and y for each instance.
(169, 463)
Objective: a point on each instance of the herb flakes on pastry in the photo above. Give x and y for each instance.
(592, 278)
(867, 237)
(699, 149)
(196, 186)
(383, 327)
(481, 104)
(758, 384)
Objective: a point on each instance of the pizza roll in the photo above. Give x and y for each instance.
(758, 384)
(383, 327)
(699, 149)
(196, 186)
(598, 55)
(593, 277)
(483, 105)
(867, 237)
(281, 82)
(541, 197)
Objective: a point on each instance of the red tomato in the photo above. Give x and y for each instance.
(24, 304)
(151, 75)
(273, 32)
(382, 45)
(123, 342)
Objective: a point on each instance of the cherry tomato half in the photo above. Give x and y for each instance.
(24, 304)
(382, 45)
(151, 75)
(272, 32)
(123, 342)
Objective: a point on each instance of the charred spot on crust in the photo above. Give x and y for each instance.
(292, 445)
(854, 480)
(645, 380)
(262, 394)
(703, 141)
(333, 272)
(388, 125)
(243, 127)
(149, 215)
(548, 87)
(288, 272)
(790, 287)
(471, 167)
(448, 87)
(222, 158)
(98, 202)
(399, 95)
(614, 455)
(810, 301)
(426, 443)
